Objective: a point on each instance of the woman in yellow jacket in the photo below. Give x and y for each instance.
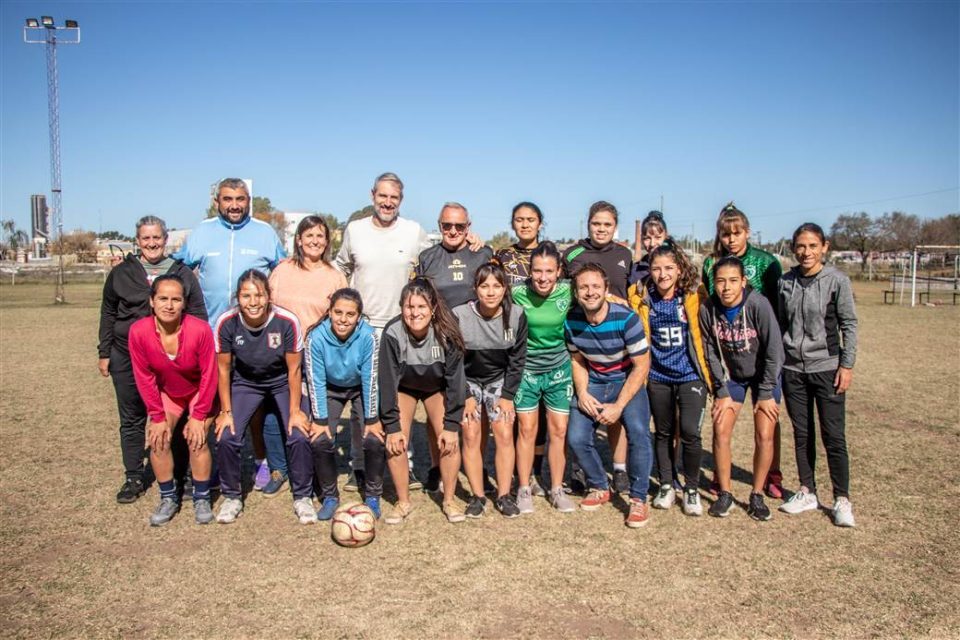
(669, 303)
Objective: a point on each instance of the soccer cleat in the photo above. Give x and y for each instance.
(374, 503)
(131, 490)
(303, 508)
(843, 512)
(524, 500)
(166, 509)
(476, 507)
(277, 484)
(801, 501)
(202, 512)
(639, 513)
(561, 502)
(327, 508)
(665, 497)
(453, 512)
(723, 505)
(507, 506)
(757, 509)
(262, 477)
(230, 510)
(691, 503)
(595, 499)
(774, 485)
(621, 481)
(398, 513)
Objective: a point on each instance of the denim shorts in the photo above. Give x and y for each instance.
(738, 390)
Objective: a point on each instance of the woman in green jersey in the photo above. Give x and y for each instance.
(547, 374)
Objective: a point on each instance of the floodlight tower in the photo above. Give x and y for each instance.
(44, 31)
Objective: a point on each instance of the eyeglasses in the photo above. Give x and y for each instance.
(459, 226)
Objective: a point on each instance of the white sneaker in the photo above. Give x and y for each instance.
(230, 510)
(843, 512)
(665, 497)
(691, 503)
(303, 508)
(560, 501)
(525, 500)
(799, 502)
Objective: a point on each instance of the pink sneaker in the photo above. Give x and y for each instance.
(774, 484)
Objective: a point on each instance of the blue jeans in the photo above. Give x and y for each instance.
(273, 440)
(636, 422)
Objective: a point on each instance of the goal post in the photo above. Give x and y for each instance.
(915, 265)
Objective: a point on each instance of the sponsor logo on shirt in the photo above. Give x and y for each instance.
(621, 264)
(562, 304)
(274, 340)
(238, 341)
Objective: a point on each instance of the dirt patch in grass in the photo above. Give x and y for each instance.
(75, 563)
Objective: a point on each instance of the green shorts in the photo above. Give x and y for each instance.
(555, 388)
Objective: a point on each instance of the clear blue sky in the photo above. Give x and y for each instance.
(797, 111)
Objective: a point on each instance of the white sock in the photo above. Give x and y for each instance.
(619, 466)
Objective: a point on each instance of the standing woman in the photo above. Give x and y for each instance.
(341, 369)
(126, 299)
(259, 347)
(763, 271)
(669, 305)
(819, 323)
(421, 359)
(175, 368)
(743, 336)
(547, 374)
(495, 335)
(653, 233)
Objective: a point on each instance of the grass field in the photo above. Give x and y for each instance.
(74, 563)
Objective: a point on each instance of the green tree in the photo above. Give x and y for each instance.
(359, 214)
(501, 240)
(855, 232)
(899, 231)
(13, 239)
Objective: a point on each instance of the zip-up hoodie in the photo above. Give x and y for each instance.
(126, 299)
(613, 257)
(640, 300)
(819, 321)
(345, 364)
(750, 346)
(221, 251)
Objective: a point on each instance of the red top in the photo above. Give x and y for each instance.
(192, 372)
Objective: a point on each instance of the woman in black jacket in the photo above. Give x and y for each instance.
(126, 299)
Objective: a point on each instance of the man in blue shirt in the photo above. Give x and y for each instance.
(220, 249)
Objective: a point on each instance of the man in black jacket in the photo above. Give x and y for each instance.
(126, 299)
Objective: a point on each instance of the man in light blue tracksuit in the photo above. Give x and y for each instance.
(220, 249)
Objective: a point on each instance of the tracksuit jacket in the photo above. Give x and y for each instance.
(750, 346)
(348, 364)
(819, 321)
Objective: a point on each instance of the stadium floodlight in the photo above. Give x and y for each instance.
(49, 34)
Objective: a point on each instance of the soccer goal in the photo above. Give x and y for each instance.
(940, 280)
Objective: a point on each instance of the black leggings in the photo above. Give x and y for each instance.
(803, 392)
(665, 399)
(324, 448)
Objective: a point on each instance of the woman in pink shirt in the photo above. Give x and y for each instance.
(175, 368)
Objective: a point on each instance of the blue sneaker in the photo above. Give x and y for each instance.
(278, 482)
(374, 503)
(327, 508)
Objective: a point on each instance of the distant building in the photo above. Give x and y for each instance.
(176, 238)
(39, 224)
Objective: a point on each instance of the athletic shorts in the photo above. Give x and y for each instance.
(738, 390)
(487, 396)
(555, 388)
(416, 394)
(177, 406)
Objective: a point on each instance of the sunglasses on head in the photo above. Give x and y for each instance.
(459, 226)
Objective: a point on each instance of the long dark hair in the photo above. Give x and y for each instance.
(687, 281)
(443, 322)
(809, 227)
(305, 225)
(484, 271)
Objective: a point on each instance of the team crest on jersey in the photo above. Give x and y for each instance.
(508, 335)
(681, 314)
(562, 304)
(274, 340)
(750, 270)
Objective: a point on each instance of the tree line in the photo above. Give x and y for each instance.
(895, 231)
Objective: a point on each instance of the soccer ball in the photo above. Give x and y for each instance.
(354, 525)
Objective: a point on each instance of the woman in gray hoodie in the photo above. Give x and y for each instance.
(819, 322)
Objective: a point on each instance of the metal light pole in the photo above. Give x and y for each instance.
(44, 31)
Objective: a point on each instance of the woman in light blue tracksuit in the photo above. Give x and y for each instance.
(341, 369)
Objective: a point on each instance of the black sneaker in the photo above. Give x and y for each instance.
(507, 506)
(355, 482)
(432, 485)
(577, 483)
(476, 507)
(488, 487)
(414, 484)
(621, 481)
(723, 505)
(131, 490)
(757, 509)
